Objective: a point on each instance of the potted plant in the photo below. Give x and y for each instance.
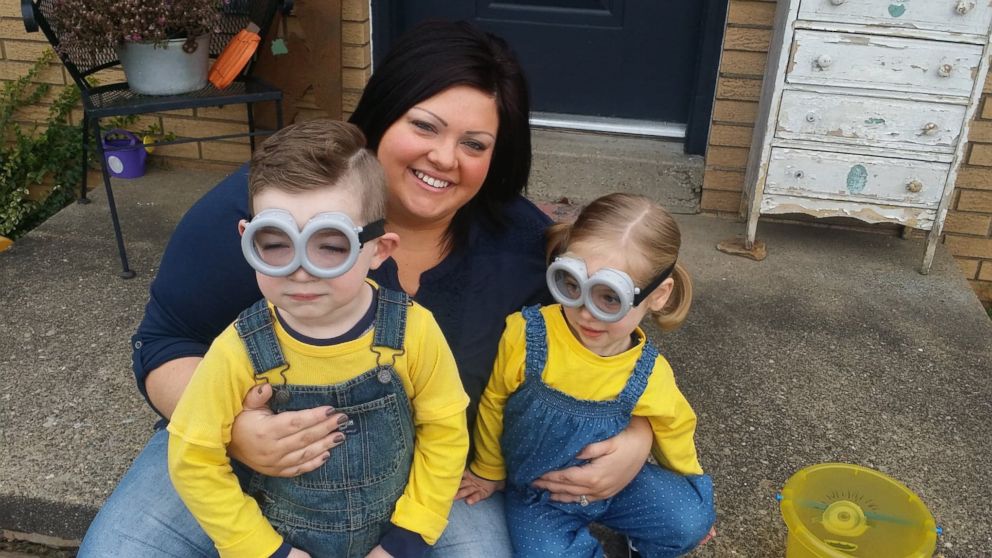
(163, 45)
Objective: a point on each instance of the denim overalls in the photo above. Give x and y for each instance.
(663, 513)
(342, 508)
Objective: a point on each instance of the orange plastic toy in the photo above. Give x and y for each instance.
(235, 56)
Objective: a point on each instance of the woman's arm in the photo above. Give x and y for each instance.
(613, 463)
(165, 384)
(283, 445)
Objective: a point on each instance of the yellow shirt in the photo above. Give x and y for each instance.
(577, 371)
(201, 429)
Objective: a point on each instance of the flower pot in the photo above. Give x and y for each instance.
(124, 154)
(164, 68)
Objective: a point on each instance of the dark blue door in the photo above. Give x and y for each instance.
(632, 59)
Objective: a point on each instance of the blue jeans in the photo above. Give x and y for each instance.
(145, 517)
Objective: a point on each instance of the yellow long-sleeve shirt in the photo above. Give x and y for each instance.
(200, 429)
(577, 371)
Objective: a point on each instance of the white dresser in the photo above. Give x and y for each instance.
(865, 108)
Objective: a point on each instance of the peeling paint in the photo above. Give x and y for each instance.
(910, 217)
(874, 120)
(896, 10)
(857, 179)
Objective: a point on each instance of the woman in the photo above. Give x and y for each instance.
(446, 113)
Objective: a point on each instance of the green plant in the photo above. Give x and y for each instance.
(92, 26)
(153, 130)
(48, 151)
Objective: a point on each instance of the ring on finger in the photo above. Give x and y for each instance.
(583, 500)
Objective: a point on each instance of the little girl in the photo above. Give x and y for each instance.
(574, 373)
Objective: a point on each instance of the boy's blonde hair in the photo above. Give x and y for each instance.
(646, 235)
(318, 154)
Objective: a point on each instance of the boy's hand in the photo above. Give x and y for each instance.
(378, 552)
(297, 553)
(283, 445)
(476, 489)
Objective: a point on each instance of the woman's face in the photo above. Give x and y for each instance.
(436, 156)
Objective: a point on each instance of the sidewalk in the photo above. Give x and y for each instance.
(833, 349)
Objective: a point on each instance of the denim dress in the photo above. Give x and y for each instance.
(663, 513)
(342, 508)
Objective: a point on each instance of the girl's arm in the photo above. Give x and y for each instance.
(613, 463)
(506, 377)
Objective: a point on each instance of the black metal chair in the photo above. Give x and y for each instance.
(116, 99)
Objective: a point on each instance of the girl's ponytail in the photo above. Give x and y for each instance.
(557, 240)
(677, 308)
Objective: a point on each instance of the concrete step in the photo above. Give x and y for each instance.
(582, 166)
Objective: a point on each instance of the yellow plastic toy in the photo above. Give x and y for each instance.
(838, 510)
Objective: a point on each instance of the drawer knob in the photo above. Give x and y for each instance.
(945, 70)
(823, 61)
(930, 128)
(838, 2)
(800, 174)
(914, 186)
(962, 8)
(811, 117)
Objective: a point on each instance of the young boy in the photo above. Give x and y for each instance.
(325, 335)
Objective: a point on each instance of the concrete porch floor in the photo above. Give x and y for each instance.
(833, 349)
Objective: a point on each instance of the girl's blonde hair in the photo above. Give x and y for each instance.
(647, 236)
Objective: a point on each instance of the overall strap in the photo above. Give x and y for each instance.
(254, 326)
(390, 319)
(536, 336)
(638, 380)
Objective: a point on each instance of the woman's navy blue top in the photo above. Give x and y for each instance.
(203, 282)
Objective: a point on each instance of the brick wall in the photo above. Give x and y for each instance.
(18, 49)
(968, 227)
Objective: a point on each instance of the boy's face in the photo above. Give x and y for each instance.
(311, 305)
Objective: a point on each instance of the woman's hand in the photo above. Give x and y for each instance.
(476, 489)
(283, 445)
(613, 463)
(297, 553)
(378, 552)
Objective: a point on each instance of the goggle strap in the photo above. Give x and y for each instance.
(372, 231)
(639, 297)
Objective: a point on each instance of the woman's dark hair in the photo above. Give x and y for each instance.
(433, 57)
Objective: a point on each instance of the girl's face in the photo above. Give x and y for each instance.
(605, 338)
(436, 156)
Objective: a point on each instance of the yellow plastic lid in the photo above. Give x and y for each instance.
(839, 510)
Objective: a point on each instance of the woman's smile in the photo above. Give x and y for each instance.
(432, 181)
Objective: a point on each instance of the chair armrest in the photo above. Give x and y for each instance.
(27, 14)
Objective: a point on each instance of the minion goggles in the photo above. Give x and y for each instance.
(608, 294)
(327, 246)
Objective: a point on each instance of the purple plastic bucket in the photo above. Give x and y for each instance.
(123, 154)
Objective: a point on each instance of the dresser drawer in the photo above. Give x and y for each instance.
(801, 172)
(870, 212)
(956, 16)
(883, 63)
(870, 121)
